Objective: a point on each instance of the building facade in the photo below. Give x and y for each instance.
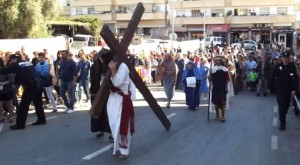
(261, 21)
(117, 13)
(258, 20)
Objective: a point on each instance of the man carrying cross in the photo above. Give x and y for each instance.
(117, 85)
(119, 106)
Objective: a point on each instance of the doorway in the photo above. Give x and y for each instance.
(282, 37)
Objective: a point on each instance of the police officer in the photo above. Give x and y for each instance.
(286, 83)
(27, 75)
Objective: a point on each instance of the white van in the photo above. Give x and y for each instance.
(81, 40)
(217, 41)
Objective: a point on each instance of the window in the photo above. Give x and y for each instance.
(78, 11)
(91, 10)
(217, 12)
(264, 11)
(282, 10)
(243, 12)
(159, 8)
(130, 9)
(180, 13)
(196, 13)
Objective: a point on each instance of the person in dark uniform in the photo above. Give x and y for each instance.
(30, 81)
(286, 84)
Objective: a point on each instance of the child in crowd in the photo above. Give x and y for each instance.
(253, 80)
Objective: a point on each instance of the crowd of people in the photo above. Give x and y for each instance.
(53, 78)
(223, 71)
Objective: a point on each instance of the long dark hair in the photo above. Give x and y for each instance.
(57, 55)
(107, 57)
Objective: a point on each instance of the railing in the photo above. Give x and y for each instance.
(224, 15)
(108, 12)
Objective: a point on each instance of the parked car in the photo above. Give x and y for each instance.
(248, 45)
(217, 41)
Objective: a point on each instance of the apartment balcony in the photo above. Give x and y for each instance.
(199, 4)
(262, 2)
(80, 3)
(126, 2)
(146, 16)
(199, 20)
(107, 17)
(261, 19)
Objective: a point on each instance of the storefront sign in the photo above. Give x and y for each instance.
(218, 28)
(239, 29)
(282, 31)
(260, 29)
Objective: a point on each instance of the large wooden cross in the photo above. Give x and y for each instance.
(119, 51)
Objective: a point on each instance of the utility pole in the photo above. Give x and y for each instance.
(166, 18)
(204, 25)
(173, 21)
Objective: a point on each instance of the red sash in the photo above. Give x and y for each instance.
(126, 117)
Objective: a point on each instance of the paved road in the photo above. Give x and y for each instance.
(249, 137)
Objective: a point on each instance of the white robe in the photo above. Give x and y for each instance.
(114, 107)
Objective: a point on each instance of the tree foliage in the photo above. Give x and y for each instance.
(94, 22)
(26, 18)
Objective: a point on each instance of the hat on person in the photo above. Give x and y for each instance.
(15, 56)
(285, 54)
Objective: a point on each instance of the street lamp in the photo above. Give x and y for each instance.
(173, 21)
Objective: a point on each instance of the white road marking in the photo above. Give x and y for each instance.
(97, 153)
(108, 147)
(275, 109)
(171, 115)
(48, 118)
(275, 122)
(274, 143)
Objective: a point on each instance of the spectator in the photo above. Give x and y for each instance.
(84, 66)
(252, 80)
(68, 75)
(169, 77)
(56, 83)
(264, 72)
(154, 65)
(46, 73)
(6, 93)
(35, 59)
(179, 61)
(204, 71)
